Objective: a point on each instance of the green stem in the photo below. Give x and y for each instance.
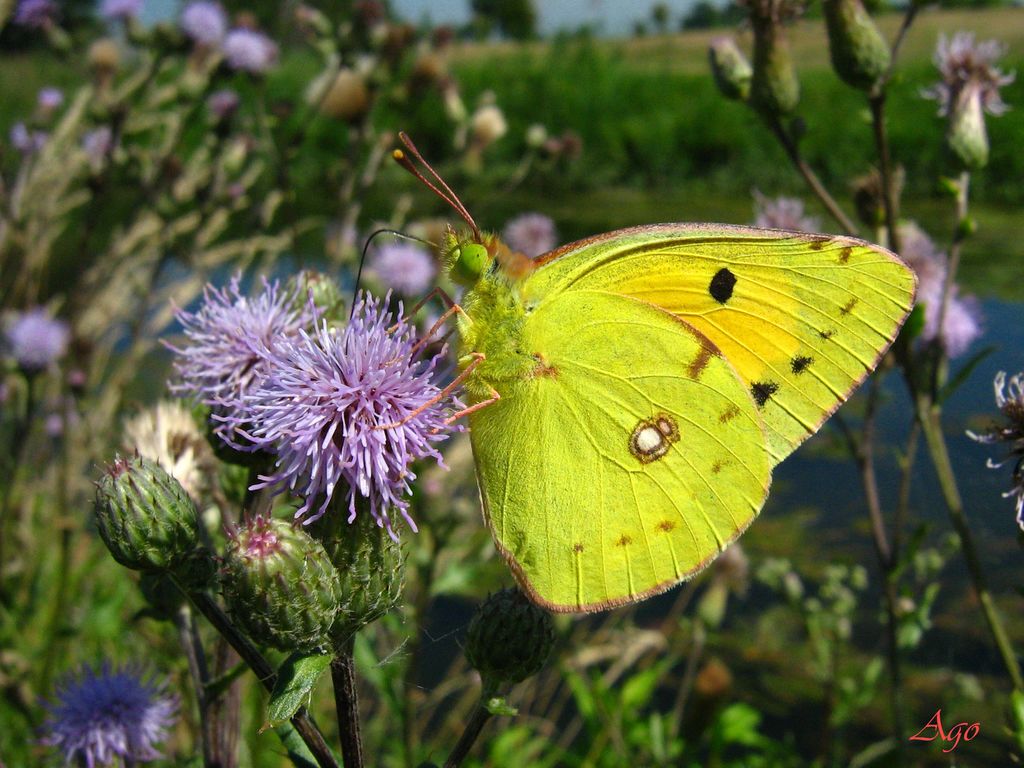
(889, 201)
(469, 736)
(929, 417)
(346, 702)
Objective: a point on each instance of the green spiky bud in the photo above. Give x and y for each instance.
(145, 517)
(327, 297)
(730, 68)
(860, 55)
(966, 135)
(280, 586)
(774, 87)
(509, 638)
(370, 566)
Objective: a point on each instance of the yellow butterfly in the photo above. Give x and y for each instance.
(630, 393)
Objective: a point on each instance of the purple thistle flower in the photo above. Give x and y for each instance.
(961, 325)
(249, 51)
(404, 267)
(110, 715)
(35, 340)
(50, 98)
(228, 339)
(223, 103)
(783, 213)
(205, 22)
(123, 10)
(25, 141)
(324, 402)
(1010, 402)
(97, 144)
(968, 69)
(35, 13)
(532, 234)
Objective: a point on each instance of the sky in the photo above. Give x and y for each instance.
(608, 17)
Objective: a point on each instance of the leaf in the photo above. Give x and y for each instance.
(964, 373)
(295, 680)
(298, 752)
(499, 706)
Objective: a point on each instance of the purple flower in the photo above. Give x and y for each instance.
(97, 144)
(205, 22)
(223, 103)
(783, 213)
(1011, 404)
(50, 98)
(404, 267)
(249, 51)
(35, 13)
(968, 69)
(961, 324)
(225, 356)
(110, 715)
(120, 9)
(355, 406)
(25, 141)
(530, 233)
(35, 340)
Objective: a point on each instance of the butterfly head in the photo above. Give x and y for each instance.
(468, 259)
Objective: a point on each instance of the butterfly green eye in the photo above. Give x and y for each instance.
(471, 261)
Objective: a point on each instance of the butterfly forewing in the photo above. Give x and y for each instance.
(627, 460)
(802, 318)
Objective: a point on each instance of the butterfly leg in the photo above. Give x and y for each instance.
(440, 293)
(478, 357)
(493, 398)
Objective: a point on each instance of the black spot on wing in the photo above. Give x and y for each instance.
(721, 285)
(762, 391)
(799, 363)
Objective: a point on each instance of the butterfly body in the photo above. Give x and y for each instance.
(647, 381)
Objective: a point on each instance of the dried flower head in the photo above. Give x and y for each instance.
(167, 434)
(204, 22)
(530, 233)
(968, 67)
(111, 715)
(961, 323)
(248, 50)
(488, 125)
(1010, 401)
(404, 267)
(36, 341)
(225, 355)
(36, 14)
(354, 407)
(120, 9)
(783, 213)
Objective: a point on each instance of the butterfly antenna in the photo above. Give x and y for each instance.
(440, 188)
(366, 249)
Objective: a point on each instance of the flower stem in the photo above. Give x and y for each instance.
(346, 701)
(469, 736)
(301, 721)
(929, 417)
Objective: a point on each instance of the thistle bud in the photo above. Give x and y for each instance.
(347, 97)
(966, 136)
(774, 87)
(730, 68)
(860, 56)
(147, 520)
(370, 566)
(509, 638)
(327, 297)
(280, 586)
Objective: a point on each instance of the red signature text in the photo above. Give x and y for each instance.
(933, 730)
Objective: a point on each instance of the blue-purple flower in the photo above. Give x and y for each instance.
(35, 340)
(1010, 401)
(783, 213)
(204, 22)
(968, 69)
(530, 233)
(404, 267)
(50, 99)
(120, 9)
(225, 356)
(36, 13)
(97, 144)
(249, 51)
(27, 141)
(223, 103)
(354, 408)
(111, 715)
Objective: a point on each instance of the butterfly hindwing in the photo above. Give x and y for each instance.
(628, 459)
(802, 318)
